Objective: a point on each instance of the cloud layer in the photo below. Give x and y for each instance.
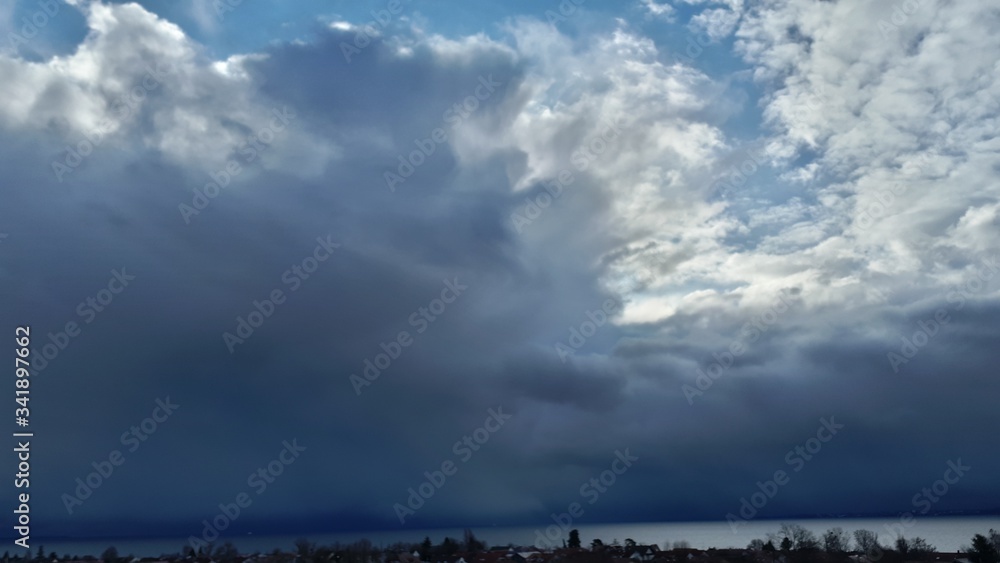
(549, 171)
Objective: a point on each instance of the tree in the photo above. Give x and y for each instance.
(425, 549)
(629, 542)
(472, 545)
(682, 544)
(448, 547)
(756, 545)
(902, 547)
(867, 541)
(596, 544)
(805, 540)
(836, 540)
(918, 547)
(984, 550)
(228, 552)
(574, 539)
(786, 544)
(769, 546)
(110, 555)
(302, 547)
(801, 539)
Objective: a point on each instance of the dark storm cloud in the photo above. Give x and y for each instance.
(162, 335)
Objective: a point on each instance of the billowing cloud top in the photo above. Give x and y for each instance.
(694, 230)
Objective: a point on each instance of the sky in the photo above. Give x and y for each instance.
(400, 265)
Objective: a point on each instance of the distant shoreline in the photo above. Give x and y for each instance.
(946, 533)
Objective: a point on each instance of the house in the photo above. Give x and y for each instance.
(642, 553)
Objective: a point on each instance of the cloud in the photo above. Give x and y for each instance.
(658, 9)
(667, 208)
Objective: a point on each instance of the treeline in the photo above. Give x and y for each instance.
(792, 543)
(361, 551)
(799, 544)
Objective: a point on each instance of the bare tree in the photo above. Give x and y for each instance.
(836, 540)
(227, 553)
(801, 539)
(918, 547)
(867, 541)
